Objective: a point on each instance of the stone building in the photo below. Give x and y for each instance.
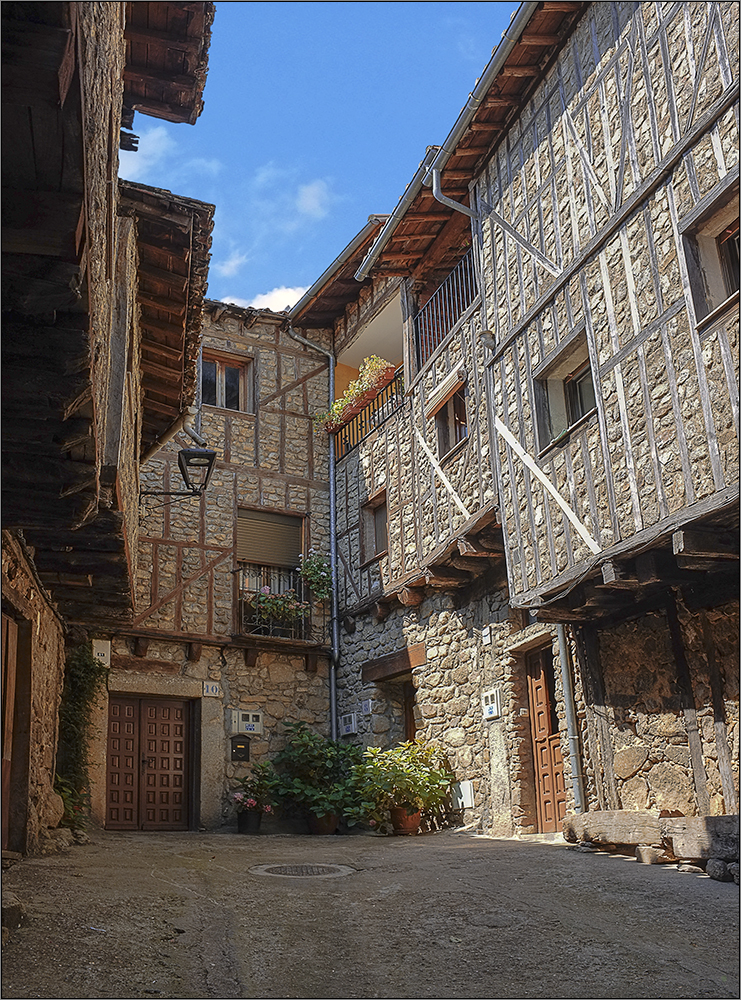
(83, 387)
(201, 653)
(590, 373)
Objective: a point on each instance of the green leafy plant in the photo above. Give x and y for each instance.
(255, 791)
(314, 570)
(316, 775)
(414, 776)
(374, 373)
(84, 678)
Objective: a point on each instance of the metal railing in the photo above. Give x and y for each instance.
(440, 313)
(274, 601)
(388, 400)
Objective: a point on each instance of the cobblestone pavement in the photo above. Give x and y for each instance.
(448, 915)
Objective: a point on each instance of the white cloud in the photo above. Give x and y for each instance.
(231, 265)
(278, 299)
(314, 199)
(155, 147)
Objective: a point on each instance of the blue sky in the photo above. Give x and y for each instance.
(316, 116)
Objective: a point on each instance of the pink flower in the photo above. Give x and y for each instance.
(265, 590)
(268, 809)
(372, 822)
(250, 803)
(238, 796)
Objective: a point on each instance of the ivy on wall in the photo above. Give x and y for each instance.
(84, 678)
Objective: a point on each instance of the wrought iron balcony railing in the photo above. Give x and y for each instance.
(388, 400)
(440, 313)
(274, 601)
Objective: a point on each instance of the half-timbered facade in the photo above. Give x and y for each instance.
(608, 222)
(226, 666)
(572, 414)
(77, 392)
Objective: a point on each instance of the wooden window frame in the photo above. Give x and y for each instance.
(369, 516)
(245, 389)
(558, 384)
(710, 237)
(451, 423)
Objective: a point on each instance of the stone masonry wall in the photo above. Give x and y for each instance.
(187, 586)
(651, 730)
(40, 676)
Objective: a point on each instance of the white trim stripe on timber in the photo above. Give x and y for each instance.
(531, 464)
(443, 478)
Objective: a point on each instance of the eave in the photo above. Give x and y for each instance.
(167, 58)
(173, 240)
(424, 239)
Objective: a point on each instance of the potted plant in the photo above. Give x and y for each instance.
(254, 798)
(403, 785)
(284, 609)
(373, 375)
(315, 777)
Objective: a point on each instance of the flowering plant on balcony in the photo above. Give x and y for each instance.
(373, 375)
(314, 570)
(278, 607)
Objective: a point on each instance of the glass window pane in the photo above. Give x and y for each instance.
(231, 387)
(379, 523)
(208, 383)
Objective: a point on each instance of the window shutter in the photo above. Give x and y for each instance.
(268, 539)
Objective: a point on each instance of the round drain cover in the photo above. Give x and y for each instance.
(302, 871)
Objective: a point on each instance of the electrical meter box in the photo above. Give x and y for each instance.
(348, 724)
(245, 721)
(491, 703)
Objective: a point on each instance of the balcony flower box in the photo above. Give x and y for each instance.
(374, 375)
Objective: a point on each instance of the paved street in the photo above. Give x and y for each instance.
(444, 916)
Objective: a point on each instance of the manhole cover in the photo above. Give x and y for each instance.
(302, 871)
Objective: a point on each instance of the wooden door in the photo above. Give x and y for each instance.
(10, 661)
(547, 758)
(148, 764)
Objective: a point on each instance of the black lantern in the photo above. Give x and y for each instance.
(196, 466)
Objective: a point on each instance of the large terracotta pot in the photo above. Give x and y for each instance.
(249, 821)
(323, 824)
(405, 824)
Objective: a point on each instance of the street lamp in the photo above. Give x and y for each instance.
(196, 466)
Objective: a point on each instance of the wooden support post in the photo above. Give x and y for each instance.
(141, 646)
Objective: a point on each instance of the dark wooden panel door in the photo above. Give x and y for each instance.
(10, 660)
(147, 773)
(548, 760)
(164, 765)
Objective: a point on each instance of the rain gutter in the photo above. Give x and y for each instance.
(335, 620)
(438, 156)
(183, 423)
(577, 778)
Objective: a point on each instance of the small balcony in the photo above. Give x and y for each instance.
(276, 603)
(441, 312)
(373, 414)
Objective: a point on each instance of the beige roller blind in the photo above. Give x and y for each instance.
(268, 539)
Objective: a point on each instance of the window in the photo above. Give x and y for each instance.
(374, 529)
(225, 383)
(451, 423)
(564, 390)
(711, 243)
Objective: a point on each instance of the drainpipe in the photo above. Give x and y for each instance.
(183, 423)
(335, 658)
(577, 778)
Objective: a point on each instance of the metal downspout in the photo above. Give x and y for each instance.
(577, 778)
(335, 659)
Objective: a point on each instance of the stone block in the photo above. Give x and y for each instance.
(629, 761)
(701, 836)
(13, 911)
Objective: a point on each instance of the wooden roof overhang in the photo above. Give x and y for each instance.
(167, 58)
(173, 239)
(336, 288)
(425, 239)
